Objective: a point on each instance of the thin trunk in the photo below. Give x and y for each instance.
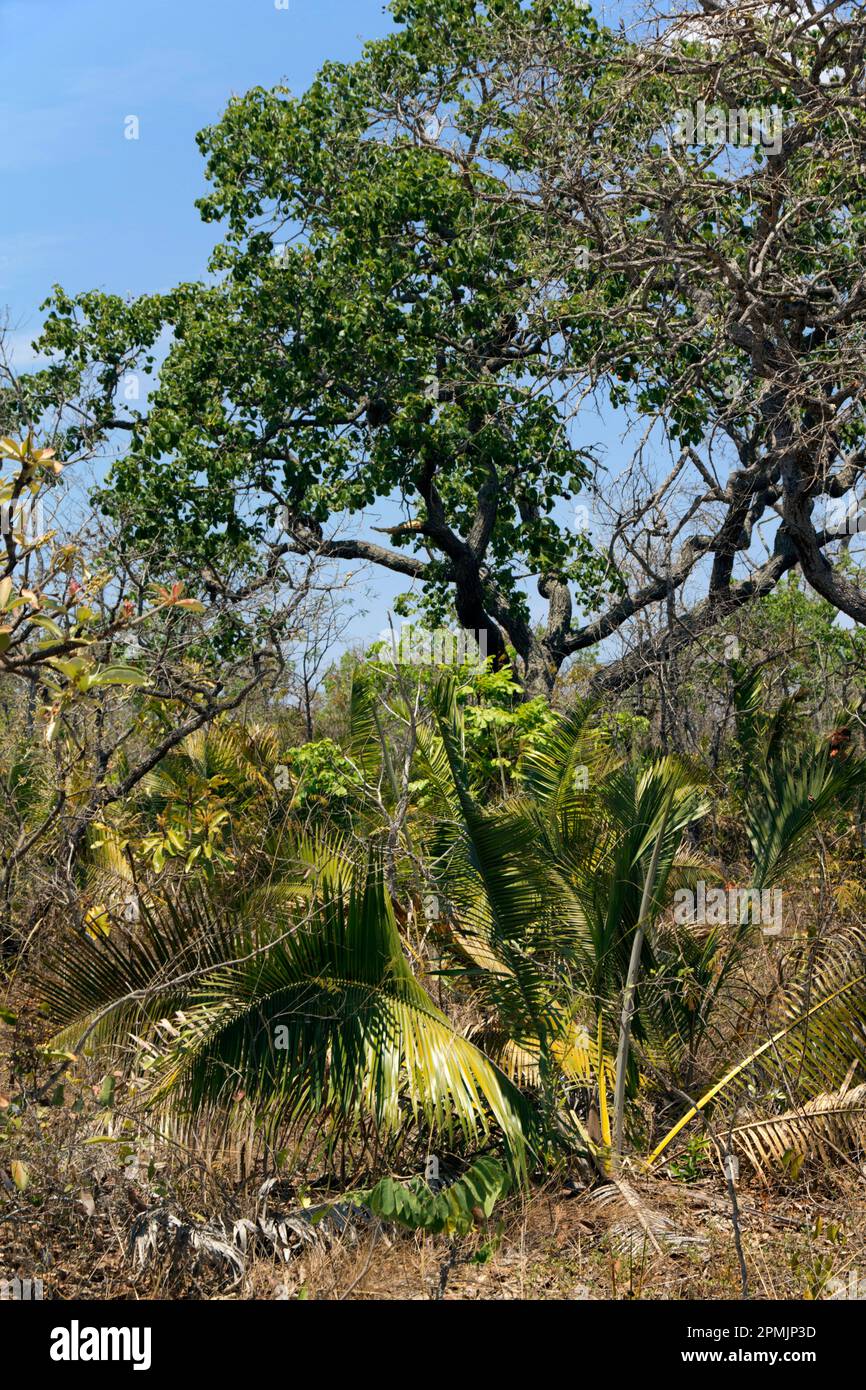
(631, 987)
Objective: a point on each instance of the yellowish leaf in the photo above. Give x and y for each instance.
(20, 1174)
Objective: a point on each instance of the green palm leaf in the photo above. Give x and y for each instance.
(320, 1015)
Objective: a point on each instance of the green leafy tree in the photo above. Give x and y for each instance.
(377, 329)
(432, 256)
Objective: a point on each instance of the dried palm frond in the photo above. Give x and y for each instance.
(636, 1227)
(160, 1234)
(821, 1041)
(825, 1127)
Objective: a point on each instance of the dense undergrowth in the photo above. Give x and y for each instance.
(461, 967)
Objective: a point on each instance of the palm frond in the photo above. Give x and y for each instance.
(317, 1014)
(822, 1040)
(791, 794)
(549, 765)
(824, 1127)
(365, 729)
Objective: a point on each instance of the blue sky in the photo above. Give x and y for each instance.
(83, 205)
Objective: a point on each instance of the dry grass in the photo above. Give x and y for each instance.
(70, 1225)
